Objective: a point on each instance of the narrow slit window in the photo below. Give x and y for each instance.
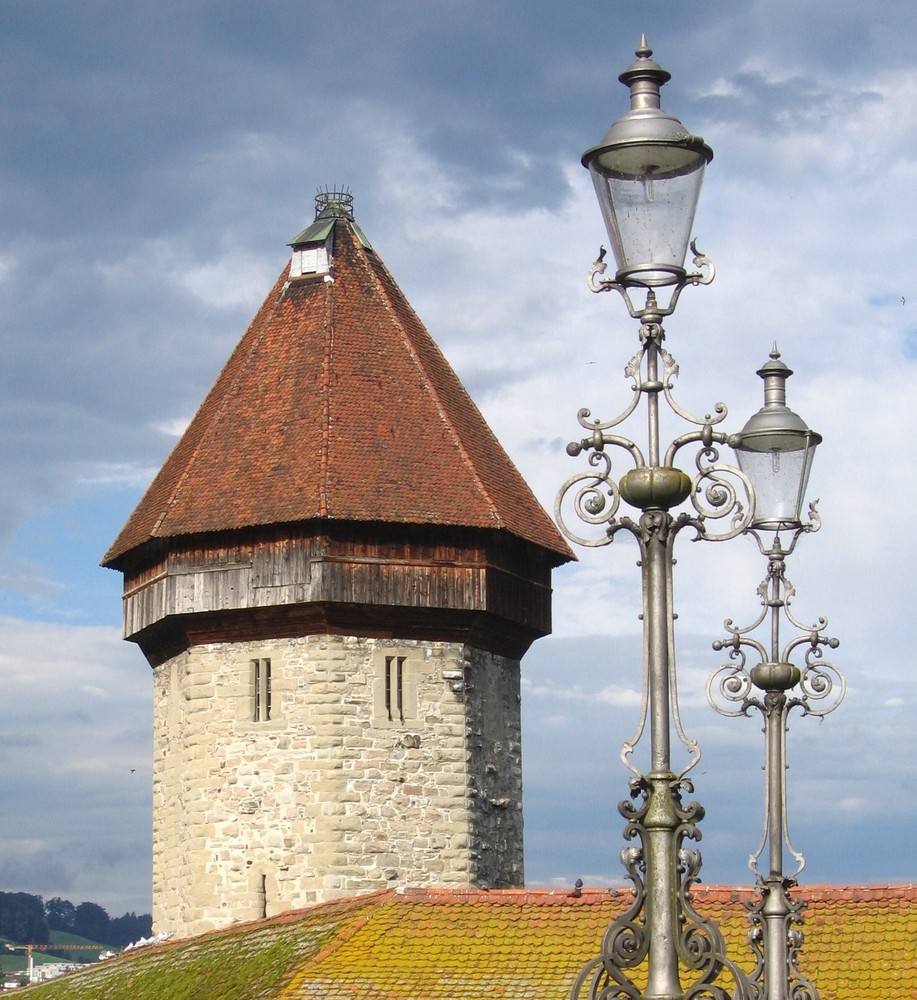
(261, 671)
(394, 688)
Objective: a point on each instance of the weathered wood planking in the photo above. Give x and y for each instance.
(476, 572)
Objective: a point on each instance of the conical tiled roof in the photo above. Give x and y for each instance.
(338, 405)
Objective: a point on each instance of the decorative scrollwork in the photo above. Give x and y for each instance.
(772, 917)
(766, 541)
(715, 496)
(633, 371)
(689, 743)
(596, 270)
(817, 688)
(596, 283)
(821, 682)
(731, 684)
(594, 497)
(701, 946)
(707, 268)
(626, 944)
(670, 371)
(628, 746)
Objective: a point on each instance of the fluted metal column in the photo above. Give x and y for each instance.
(660, 821)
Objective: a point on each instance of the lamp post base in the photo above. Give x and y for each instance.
(660, 937)
(776, 943)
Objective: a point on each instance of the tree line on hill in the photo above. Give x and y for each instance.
(29, 920)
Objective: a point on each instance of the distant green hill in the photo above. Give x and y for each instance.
(17, 960)
(64, 937)
(28, 918)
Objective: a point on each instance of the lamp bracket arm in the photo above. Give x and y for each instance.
(708, 420)
(706, 265)
(707, 436)
(814, 522)
(766, 548)
(633, 371)
(598, 267)
(597, 283)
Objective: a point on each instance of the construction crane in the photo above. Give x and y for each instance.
(29, 948)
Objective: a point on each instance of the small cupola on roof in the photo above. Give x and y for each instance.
(313, 247)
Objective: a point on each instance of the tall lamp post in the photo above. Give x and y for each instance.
(647, 172)
(774, 686)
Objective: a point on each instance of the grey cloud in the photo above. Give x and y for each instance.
(18, 740)
(786, 105)
(39, 872)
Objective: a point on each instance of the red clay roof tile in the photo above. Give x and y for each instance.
(468, 944)
(337, 404)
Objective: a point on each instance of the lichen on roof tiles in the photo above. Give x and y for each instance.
(437, 944)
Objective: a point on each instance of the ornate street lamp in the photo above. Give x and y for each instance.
(647, 172)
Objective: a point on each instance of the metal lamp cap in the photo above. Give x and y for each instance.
(775, 421)
(646, 123)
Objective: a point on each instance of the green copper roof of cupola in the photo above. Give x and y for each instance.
(330, 207)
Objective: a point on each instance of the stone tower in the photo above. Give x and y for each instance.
(333, 577)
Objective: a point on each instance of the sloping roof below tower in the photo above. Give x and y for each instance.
(337, 405)
(439, 944)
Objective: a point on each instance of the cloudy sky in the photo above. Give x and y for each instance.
(156, 157)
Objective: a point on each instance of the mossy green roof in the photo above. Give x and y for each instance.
(438, 944)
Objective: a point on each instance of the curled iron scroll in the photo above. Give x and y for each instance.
(715, 495)
(594, 497)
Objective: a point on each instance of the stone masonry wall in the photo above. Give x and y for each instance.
(330, 797)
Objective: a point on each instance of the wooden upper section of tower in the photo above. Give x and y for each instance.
(336, 413)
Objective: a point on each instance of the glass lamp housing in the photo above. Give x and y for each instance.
(647, 172)
(775, 450)
(780, 475)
